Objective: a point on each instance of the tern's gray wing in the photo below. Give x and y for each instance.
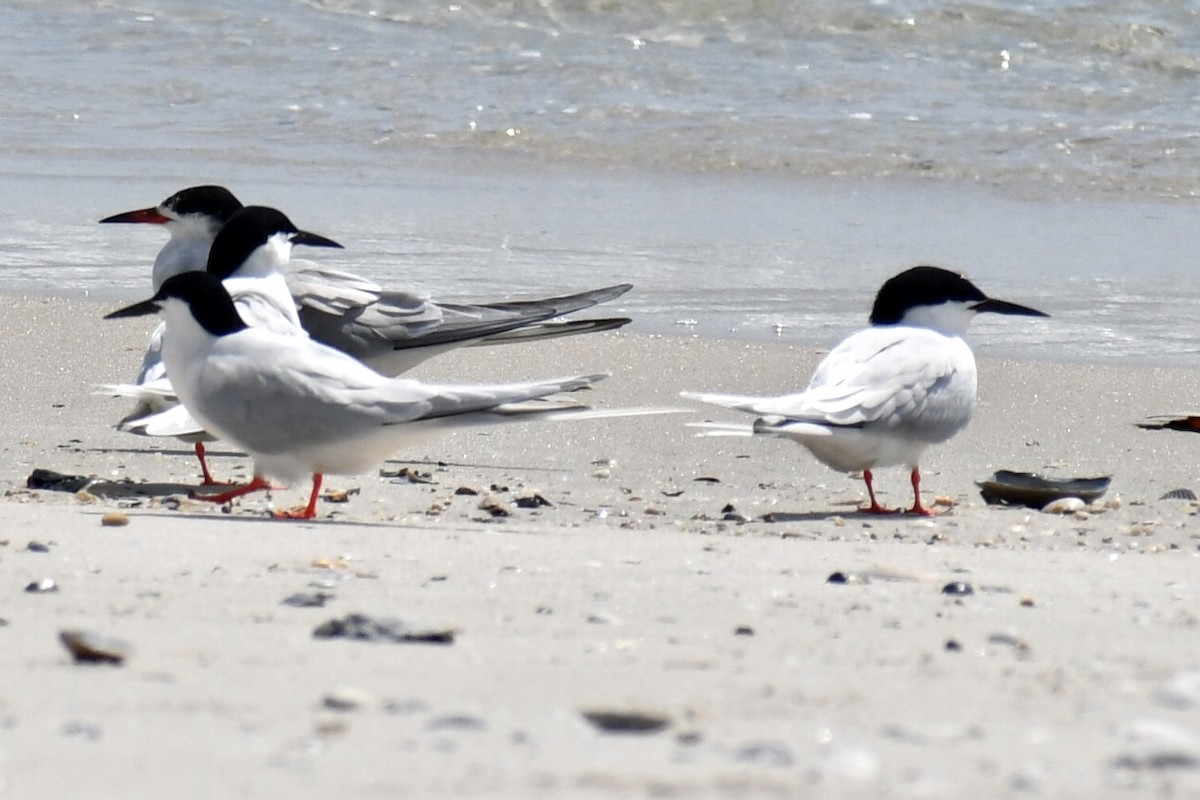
(903, 379)
(402, 321)
(329, 291)
(913, 380)
(272, 393)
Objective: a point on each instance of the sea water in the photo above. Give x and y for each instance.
(755, 168)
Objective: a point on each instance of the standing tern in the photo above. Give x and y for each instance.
(886, 393)
(299, 407)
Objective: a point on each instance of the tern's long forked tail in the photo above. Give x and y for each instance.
(554, 330)
(739, 402)
(565, 304)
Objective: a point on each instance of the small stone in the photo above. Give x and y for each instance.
(614, 721)
(532, 501)
(466, 490)
(953, 646)
(44, 586)
(743, 630)
(307, 599)
(114, 519)
(364, 628)
(37, 547)
(958, 589)
(91, 648)
(345, 698)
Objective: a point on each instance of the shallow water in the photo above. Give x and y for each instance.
(756, 169)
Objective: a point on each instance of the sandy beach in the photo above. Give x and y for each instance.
(673, 583)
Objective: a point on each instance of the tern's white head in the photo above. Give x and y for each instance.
(192, 217)
(257, 241)
(938, 299)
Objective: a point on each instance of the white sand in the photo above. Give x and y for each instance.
(627, 593)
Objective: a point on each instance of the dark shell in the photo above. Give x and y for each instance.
(1026, 489)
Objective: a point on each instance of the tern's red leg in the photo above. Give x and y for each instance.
(257, 484)
(309, 511)
(874, 508)
(208, 478)
(917, 507)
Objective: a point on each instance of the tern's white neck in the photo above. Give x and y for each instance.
(951, 318)
(270, 258)
(185, 251)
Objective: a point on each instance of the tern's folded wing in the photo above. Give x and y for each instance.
(898, 377)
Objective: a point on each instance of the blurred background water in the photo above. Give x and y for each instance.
(756, 168)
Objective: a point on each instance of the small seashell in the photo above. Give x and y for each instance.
(1064, 505)
(91, 648)
(602, 474)
(1179, 494)
(493, 506)
(43, 586)
(114, 519)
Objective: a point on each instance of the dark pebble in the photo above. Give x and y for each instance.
(364, 628)
(953, 646)
(627, 721)
(37, 547)
(958, 589)
(307, 599)
(466, 490)
(44, 586)
(837, 577)
(743, 630)
(532, 501)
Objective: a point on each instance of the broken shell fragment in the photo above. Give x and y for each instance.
(91, 648)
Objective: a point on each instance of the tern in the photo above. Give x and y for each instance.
(301, 408)
(888, 392)
(392, 331)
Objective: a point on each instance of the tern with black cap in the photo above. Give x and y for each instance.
(886, 393)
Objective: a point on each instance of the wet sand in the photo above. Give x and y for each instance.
(1070, 670)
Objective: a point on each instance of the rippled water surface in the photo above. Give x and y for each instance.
(756, 168)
